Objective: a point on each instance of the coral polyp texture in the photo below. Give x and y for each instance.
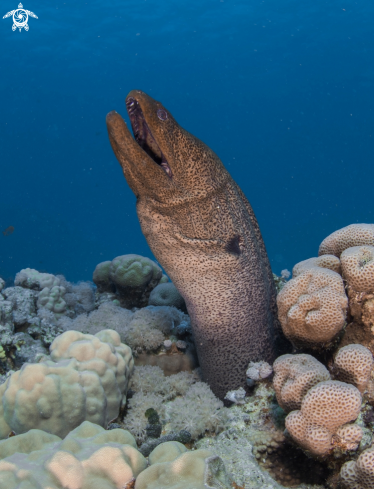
(325, 261)
(358, 267)
(84, 379)
(322, 419)
(294, 376)
(359, 474)
(352, 235)
(312, 308)
(354, 364)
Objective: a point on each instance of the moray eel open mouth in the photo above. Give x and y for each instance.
(143, 135)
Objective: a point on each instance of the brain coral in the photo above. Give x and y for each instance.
(325, 261)
(85, 378)
(312, 308)
(294, 376)
(353, 364)
(359, 474)
(358, 267)
(89, 457)
(325, 410)
(352, 235)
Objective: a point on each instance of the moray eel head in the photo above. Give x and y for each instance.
(160, 159)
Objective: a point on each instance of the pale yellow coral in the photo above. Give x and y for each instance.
(85, 379)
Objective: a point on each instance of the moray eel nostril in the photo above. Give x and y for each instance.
(202, 230)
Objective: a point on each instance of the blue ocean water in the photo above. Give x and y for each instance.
(281, 90)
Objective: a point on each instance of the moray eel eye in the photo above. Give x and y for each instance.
(162, 114)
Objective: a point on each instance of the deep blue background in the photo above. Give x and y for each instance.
(281, 90)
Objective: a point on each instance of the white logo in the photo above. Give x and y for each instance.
(20, 18)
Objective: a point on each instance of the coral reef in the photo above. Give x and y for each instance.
(181, 403)
(352, 235)
(173, 467)
(325, 261)
(312, 308)
(294, 376)
(85, 378)
(359, 474)
(358, 267)
(89, 456)
(322, 419)
(166, 294)
(130, 277)
(354, 364)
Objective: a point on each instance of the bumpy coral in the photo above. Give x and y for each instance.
(52, 298)
(85, 378)
(359, 474)
(32, 279)
(101, 277)
(360, 328)
(173, 467)
(132, 277)
(144, 329)
(320, 423)
(312, 308)
(352, 235)
(353, 364)
(325, 261)
(358, 267)
(294, 376)
(166, 295)
(258, 371)
(89, 456)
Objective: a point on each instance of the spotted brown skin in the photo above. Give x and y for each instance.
(203, 231)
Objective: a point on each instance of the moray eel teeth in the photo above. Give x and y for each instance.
(143, 135)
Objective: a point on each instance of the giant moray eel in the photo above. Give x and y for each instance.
(203, 231)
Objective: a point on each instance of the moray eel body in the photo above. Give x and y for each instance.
(203, 231)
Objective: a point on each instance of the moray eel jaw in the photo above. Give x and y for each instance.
(161, 158)
(143, 135)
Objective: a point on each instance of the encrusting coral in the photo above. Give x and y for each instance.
(312, 308)
(85, 378)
